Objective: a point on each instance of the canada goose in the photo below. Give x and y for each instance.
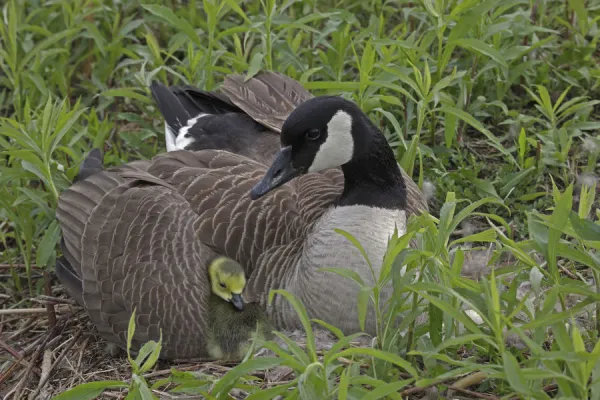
(231, 323)
(141, 235)
(243, 117)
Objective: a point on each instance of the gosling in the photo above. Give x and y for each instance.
(231, 323)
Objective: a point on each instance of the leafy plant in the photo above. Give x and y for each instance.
(138, 388)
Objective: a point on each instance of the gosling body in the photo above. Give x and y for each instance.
(232, 323)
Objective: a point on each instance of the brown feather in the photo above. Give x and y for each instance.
(140, 236)
(269, 97)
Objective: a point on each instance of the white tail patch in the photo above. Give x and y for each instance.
(169, 138)
(182, 139)
(338, 148)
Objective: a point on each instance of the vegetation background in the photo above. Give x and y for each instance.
(491, 105)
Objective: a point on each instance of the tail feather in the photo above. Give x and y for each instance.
(90, 165)
(176, 116)
(197, 101)
(67, 276)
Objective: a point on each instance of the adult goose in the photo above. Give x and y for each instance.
(141, 235)
(244, 117)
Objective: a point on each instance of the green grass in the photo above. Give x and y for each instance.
(495, 104)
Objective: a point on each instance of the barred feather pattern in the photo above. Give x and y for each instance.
(142, 239)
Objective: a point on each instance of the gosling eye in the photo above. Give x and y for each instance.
(313, 134)
(222, 285)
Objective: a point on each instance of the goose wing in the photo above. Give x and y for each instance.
(197, 101)
(217, 184)
(129, 242)
(141, 235)
(268, 97)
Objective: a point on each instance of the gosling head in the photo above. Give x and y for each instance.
(321, 133)
(227, 280)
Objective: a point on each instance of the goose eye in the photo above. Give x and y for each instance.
(313, 134)
(222, 285)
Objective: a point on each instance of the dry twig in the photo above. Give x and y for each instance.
(44, 378)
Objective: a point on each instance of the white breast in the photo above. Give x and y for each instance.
(331, 297)
(370, 226)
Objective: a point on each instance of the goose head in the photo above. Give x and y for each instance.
(327, 132)
(317, 135)
(227, 280)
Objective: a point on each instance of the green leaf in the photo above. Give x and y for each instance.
(336, 331)
(577, 255)
(90, 390)
(224, 385)
(330, 85)
(595, 373)
(546, 101)
(130, 333)
(271, 393)
(477, 125)
(586, 229)
(332, 354)
(558, 219)
(459, 341)
(580, 9)
(381, 355)
(303, 315)
(126, 92)
(516, 179)
(255, 65)
(356, 244)
(152, 350)
(310, 385)
(37, 170)
(436, 319)
(298, 354)
(363, 303)
(235, 7)
(26, 155)
(484, 187)
(424, 287)
(450, 128)
(483, 48)
(178, 23)
(513, 373)
(489, 235)
(343, 386)
(408, 158)
(64, 129)
(47, 245)
(44, 44)
(347, 273)
(522, 144)
(142, 388)
(297, 361)
(469, 210)
(387, 389)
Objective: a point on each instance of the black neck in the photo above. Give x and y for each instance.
(373, 178)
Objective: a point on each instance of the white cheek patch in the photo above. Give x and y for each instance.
(181, 141)
(338, 148)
